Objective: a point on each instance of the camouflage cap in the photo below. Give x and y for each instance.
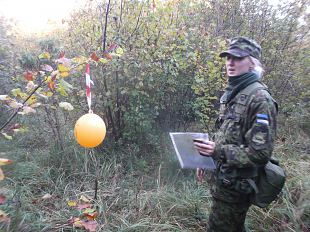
(242, 47)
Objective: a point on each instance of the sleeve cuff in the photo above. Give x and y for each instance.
(219, 153)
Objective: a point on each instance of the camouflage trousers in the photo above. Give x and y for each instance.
(227, 217)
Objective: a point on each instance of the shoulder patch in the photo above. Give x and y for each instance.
(262, 119)
(261, 95)
(259, 138)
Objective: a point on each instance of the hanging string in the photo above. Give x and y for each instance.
(88, 83)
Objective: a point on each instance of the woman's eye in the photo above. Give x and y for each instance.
(235, 58)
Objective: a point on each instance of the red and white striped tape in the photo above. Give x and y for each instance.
(88, 83)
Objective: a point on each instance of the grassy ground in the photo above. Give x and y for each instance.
(137, 194)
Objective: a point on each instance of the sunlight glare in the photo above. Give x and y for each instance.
(34, 16)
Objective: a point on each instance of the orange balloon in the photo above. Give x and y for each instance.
(89, 130)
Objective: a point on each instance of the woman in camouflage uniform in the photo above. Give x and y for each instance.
(244, 139)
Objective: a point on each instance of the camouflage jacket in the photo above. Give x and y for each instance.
(245, 136)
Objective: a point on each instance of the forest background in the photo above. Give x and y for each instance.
(157, 70)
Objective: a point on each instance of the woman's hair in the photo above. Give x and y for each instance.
(258, 67)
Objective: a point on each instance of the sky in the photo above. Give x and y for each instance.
(35, 16)
(38, 15)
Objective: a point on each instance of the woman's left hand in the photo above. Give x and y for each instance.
(200, 173)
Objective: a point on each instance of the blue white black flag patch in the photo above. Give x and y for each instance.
(262, 119)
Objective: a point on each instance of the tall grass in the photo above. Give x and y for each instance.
(137, 193)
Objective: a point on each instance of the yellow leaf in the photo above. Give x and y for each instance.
(119, 51)
(7, 136)
(63, 68)
(48, 78)
(103, 60)
(71, 203)
(61, 90)
(5, 161)
(32, 100)
(44, 55)
(85, 198)
(78, 223)
(48, 94)
(79, 59)
(79, 62)
(80, 67)
(14, 104)
(89, 211)
(64, 74)
(1, 178)
(16, 92)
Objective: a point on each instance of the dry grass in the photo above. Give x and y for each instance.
(138, 194)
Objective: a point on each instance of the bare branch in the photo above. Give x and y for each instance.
(137, 24)
(104, 27)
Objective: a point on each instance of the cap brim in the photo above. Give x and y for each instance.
(236, 52)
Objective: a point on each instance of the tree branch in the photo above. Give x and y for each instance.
(104, 27)
(137, 24)
(17, 110)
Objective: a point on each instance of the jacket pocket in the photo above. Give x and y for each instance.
(233, 129)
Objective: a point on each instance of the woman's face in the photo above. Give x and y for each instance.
(236, 66)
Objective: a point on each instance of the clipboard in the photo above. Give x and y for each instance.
(188, 156)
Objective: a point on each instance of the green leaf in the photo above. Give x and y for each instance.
(103, 60)
(89, 210)
(16, 92)
(65, 84)
(61, 90)
(7, 136)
